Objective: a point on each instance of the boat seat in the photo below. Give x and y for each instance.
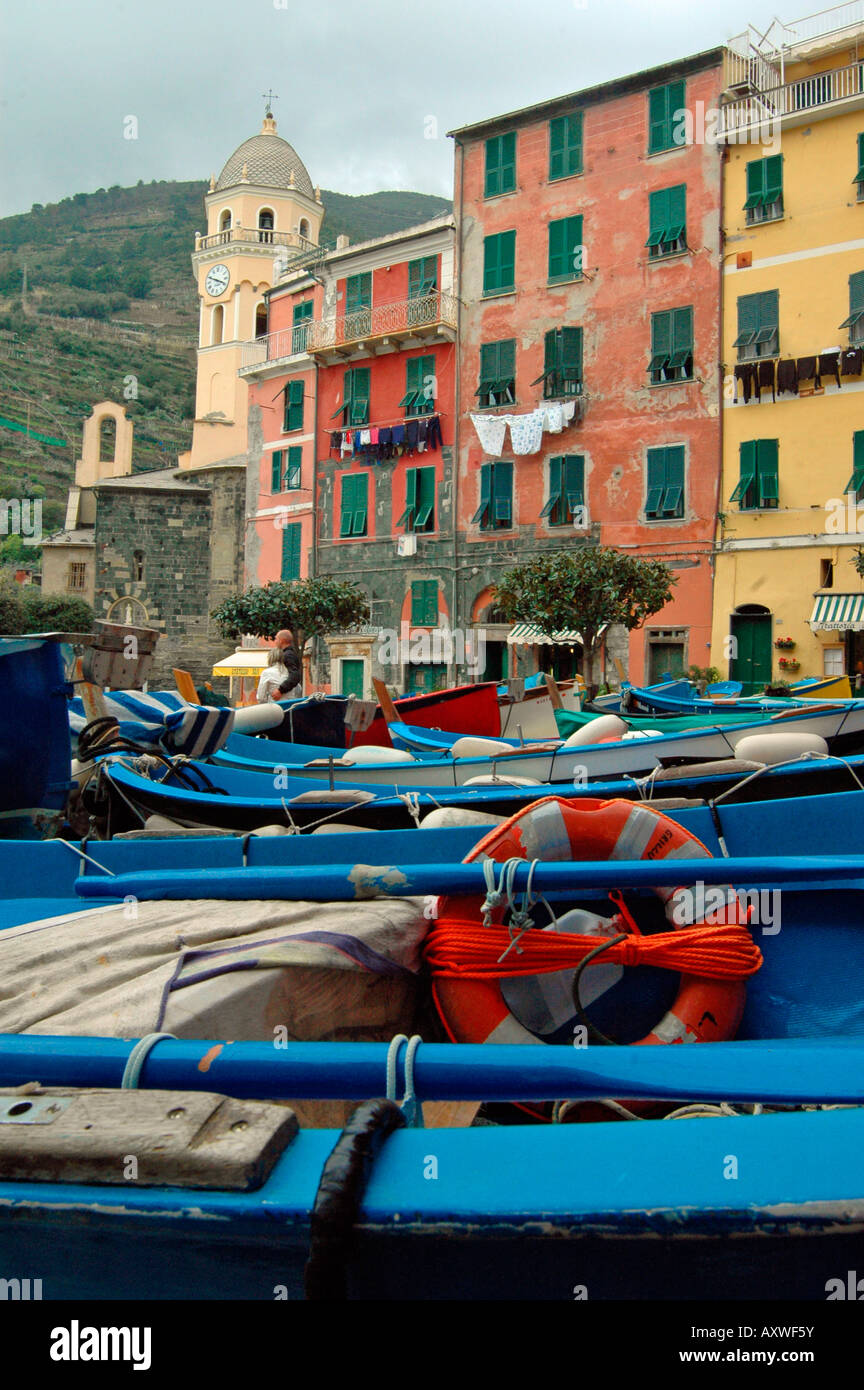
(676, 803)
(730, 766)
(343, 796)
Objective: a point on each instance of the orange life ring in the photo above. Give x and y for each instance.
(474, 1010)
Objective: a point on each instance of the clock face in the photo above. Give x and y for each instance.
(217, 280)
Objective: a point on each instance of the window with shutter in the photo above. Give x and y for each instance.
(422, 276)
(565, 249)
(856, 482)
(566, 489)
(419, 398)
(565, 146)
(671, 346)
(562, 363)
(667, 222)
(757, 485)
(293, 407)
(291, 535)
(355, 397)
(358, 292)
(664, 490)
(499, 263)
(497, 374)
(855, 320)
(859, 176)
(666, 130)
(419, 513)
(354, 505)
(302, 315)
(764, 201)
(495, 511)
(424, 603)
(500, 165)
(293, 468)
(758, 319)
(276, 471)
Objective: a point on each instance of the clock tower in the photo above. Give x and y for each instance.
(261, 211)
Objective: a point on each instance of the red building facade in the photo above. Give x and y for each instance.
(588, 274)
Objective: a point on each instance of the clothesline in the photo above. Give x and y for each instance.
(787, 374)
(383, 424)
(526, 430)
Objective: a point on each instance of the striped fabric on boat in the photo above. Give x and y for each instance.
(163, 719)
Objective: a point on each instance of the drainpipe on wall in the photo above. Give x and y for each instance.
(458, 619)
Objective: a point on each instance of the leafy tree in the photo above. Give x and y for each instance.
(587, 588)
(309, 607)
(54, 612)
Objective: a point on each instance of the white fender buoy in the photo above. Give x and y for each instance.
(471, 747)
(604, 726)
(488, 780)
(443, 817)
(371, 753)
(254, 719)
(776, 747)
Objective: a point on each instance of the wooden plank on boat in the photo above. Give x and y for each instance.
(185, 686)
(142, 1137)
(92, 697)
(388, 709)
(554, 692)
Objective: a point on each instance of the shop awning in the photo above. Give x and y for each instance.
(527, 635)
(242, 663)
(838, 613)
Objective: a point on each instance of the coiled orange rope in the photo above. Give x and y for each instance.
(465, 950)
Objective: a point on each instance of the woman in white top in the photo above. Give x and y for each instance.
(281, 675)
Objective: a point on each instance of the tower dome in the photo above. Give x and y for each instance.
(269, 160)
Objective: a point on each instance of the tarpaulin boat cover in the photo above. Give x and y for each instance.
(241, 970)
(162, 719)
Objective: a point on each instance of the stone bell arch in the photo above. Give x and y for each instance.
(91, 467)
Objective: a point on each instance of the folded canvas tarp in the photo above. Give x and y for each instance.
(240, 970)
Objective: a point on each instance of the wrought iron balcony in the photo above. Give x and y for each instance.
(426, 316)
(757, 108)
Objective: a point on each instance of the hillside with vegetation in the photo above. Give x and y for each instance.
(97, 299)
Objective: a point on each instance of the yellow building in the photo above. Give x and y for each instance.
(261, 211)
(792, 123)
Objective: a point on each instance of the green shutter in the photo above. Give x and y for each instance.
(856, 299)
(500, 164)
(571, 361)
(499, 262)
(667, 217)
(276, 471)
(663, 103)
(755, 184)
(424, 603)
(291, 535)
(502, 494)
(565, 146)
(498, 371)
(661, 341)
(346, 518)
(677, 225)
(422, 276)
(747, 475)
(672, 504)
(356, 396)
(859, 177)
(655, 481)
(360, 505)
(574, 482)
(424, 515)
(757, 317)
(485, 493)
(681, 338)
(556, 481)
(302, 311)
(856, 482)
(766, 467)
(773, 178)
(658, 217)
(358, 292)
(293, 468)
(410, 499)
(565, 236)
(293, 406)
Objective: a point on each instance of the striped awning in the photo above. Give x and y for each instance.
(527, 635)
(838, 613)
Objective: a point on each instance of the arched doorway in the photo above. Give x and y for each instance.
(494, 647)
(750, 628)
(260, 320)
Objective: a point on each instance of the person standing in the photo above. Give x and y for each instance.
(281, 676)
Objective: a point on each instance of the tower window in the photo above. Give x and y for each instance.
(261, 321)
(225, 221)
(138, 565)
(304, 228)
(218, 321)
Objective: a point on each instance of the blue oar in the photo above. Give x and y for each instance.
(829, 1071)
(350, 882)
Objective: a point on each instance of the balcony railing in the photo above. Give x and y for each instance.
(761, 108)
(254, 236)
(400, 319)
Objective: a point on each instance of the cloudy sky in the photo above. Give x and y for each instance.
(361, 86)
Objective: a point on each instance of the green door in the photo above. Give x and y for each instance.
(751, 659)
(663, 657)
(351, 677)
(422, 679)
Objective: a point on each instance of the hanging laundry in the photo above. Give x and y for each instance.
(553, 417)
(568, 410)
(787, 376)
(526, 432)
(365, 437)
(374, 435)
(808, 370)
(347, 443)
(398, 436)
(491, 430)
(434, 437)
(411, 435)
(745, 372)
(335, 441)
(829, 365)
(851, 361)
(385, 443)
(765, 377)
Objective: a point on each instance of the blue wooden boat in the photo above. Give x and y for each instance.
(34, 736)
